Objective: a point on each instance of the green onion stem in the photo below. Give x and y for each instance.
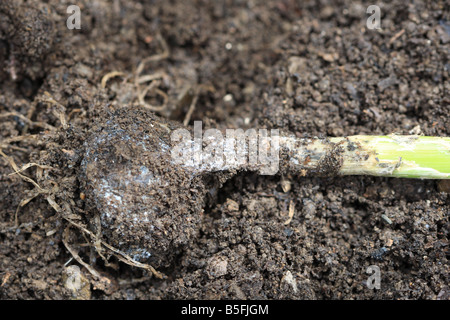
(388, 156)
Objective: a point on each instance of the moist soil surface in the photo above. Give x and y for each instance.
(312, 68)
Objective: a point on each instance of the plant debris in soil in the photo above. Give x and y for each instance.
(311, 68)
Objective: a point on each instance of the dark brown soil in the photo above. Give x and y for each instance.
(308, 67)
